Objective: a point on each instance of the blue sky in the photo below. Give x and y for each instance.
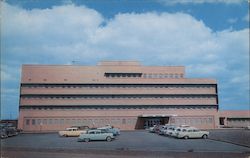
(209, 37)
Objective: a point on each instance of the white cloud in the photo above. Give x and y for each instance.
(173, 2)
(65, 33)
(9, 73)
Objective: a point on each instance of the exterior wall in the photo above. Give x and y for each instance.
(117, 90)
(235, 118)
(238, 123)
(125, 119)
(54, 97)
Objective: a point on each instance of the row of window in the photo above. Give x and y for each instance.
(120, 86)
(103, 121)
(200, 107)
(144, 75)
(192, 121)
(79, 121)
(119, 97)
(123, 75)
(155, 75)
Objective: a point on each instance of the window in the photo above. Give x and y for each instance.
(50, 121)
(123, 121)
(62, 121)
(33, 121)
(209, 120)
(27, 122)
(45, 121)
(56, 121)
(38, 121)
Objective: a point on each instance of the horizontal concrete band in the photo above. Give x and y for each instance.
(123, 95)
(118, 106)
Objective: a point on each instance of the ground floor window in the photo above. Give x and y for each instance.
(27, 122)
(85, 121)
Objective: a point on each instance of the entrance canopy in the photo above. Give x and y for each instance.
(157, 115)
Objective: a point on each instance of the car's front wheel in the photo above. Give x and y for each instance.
(204, 136)
(108, 139)
(186, 137)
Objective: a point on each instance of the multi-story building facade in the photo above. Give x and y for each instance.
(124, 94)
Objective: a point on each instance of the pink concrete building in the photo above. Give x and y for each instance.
(122, 93)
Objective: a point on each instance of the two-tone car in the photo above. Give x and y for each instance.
(96, 134)
(191, 132)
(111, 129)
(71, 132)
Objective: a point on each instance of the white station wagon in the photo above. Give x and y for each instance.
(95, 135)
(191, 132)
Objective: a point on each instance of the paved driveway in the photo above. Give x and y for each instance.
(236, 136)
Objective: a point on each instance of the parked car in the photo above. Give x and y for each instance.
(158, 128)
(3, 134)
(8, 130)
(170, 130)
(163, 129)
(96, 134)
(151, 129)
(72, 132)
(81, 127)
(111, 129)
(11, 131)
(191, 132)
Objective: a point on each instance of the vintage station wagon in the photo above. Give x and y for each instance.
(95, 135)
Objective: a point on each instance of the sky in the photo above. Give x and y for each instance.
(209, 37)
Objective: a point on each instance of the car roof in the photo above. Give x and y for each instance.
(94, 130)
(72, 128)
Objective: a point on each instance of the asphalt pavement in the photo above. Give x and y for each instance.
(129, 143)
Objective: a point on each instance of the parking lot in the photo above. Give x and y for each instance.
(128, 142)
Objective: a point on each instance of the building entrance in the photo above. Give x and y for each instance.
(146, 121)
(150, 122)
